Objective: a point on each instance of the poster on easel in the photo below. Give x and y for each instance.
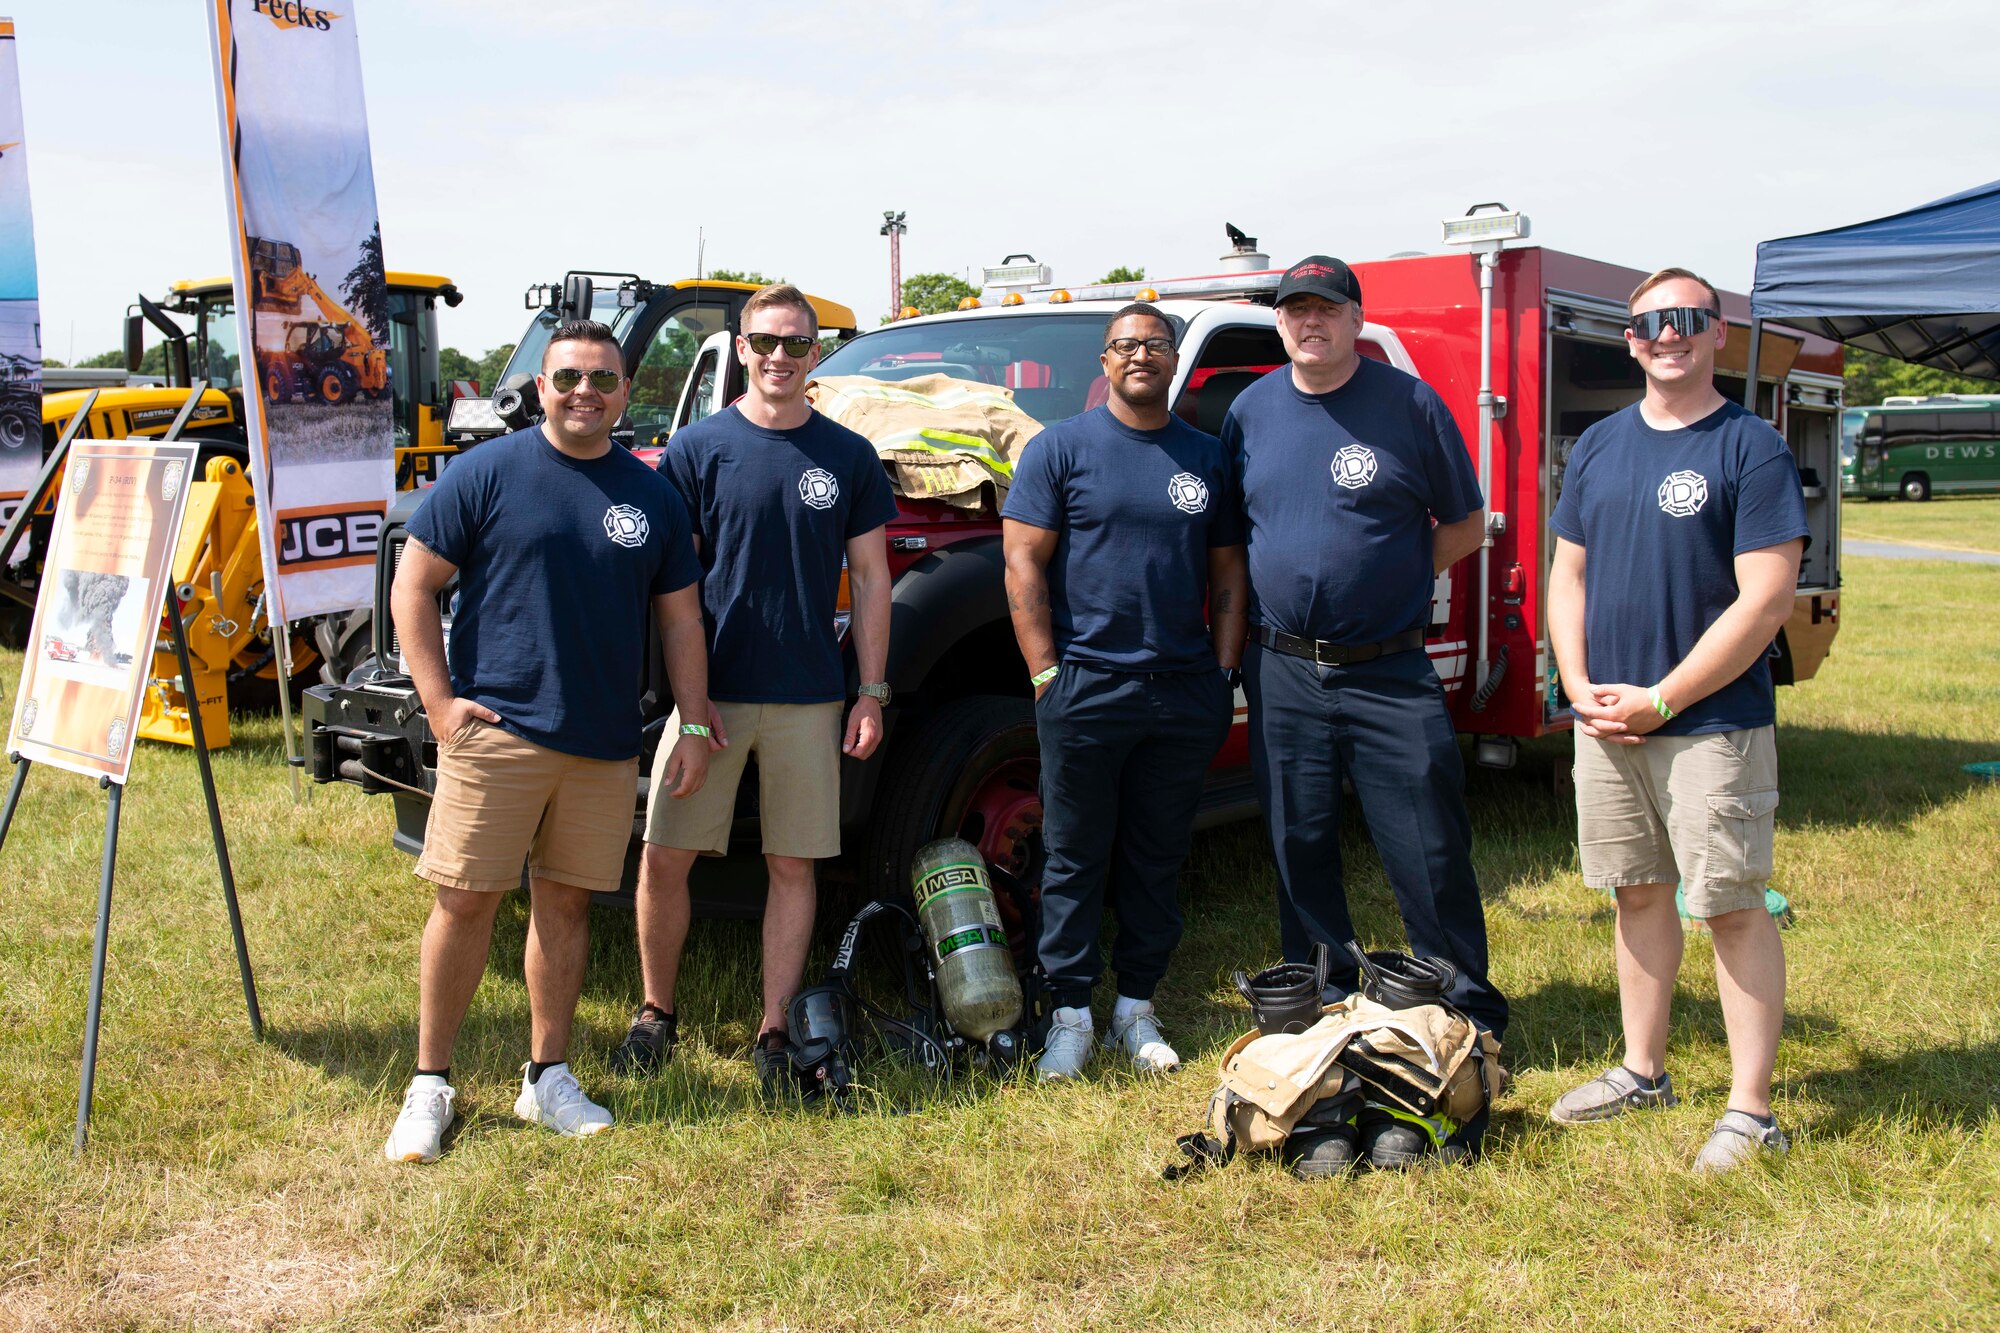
(97, 612)
(20, 314)
(312, 297)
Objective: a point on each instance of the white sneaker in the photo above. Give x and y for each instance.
(418, 1133)
(1068, 1048)
(556, 1101)
(1139, 1037)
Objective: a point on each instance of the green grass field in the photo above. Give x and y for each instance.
(236, 1185)
(1968, 522)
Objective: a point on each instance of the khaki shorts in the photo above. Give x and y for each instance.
(501, 800)
(1698, 809)
(798, 782)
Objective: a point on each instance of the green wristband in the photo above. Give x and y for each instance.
(1041, 678)
(695, 729)
(1660, 705)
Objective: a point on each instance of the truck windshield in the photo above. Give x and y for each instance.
(527, 358)
(1048, 360)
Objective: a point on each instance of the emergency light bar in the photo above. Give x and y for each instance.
(1023, 274)
(1477, 228)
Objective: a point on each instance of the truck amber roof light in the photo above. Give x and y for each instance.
(1482, 228)
(1013, 298)
(1147, 294)
(1058, 296)
(909, 312)
(968, 303)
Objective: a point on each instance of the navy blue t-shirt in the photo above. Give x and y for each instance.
(558, 560)
(774, 510)
(1340, 490)
(1662, 516)
(1138, 511)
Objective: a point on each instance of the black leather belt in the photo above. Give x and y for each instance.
(1335, 654)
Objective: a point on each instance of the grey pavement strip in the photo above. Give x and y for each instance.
(1898, 551)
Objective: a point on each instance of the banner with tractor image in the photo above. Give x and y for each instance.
(20, 317)
(312, 297)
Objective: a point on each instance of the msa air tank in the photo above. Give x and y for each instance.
(969, 953)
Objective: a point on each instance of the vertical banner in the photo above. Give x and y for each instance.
(312, 297)
(97, 613)
(20, 318)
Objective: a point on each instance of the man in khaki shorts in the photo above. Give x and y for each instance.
(1678, 538)
(560, 540)
(777, 494)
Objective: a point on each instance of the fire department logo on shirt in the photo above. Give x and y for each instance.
(625, 525)
(1683, 494)
(1188, 492)
(818, 488)
(1354, 466)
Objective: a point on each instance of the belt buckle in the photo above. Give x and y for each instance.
(1319, 658)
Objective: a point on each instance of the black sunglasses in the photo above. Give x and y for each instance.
(566, 379)
(763, 344)
(1686, 320)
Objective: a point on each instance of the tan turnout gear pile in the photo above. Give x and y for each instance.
(943, 438)
(1430, 1060)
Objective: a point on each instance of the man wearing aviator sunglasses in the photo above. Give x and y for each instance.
(1678, 538)
(561, 541)
(778, 495)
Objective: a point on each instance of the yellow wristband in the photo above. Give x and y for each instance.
(1041, 678)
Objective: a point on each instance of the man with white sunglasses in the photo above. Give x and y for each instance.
(1678, 538)
(778, 496)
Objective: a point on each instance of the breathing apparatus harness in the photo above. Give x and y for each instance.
(828, 1022)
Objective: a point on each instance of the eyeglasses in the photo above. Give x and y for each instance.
(763, 344)
(566, 379)
(1686, 320)
(1127, 348)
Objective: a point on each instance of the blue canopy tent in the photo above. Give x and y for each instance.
(1922, 285)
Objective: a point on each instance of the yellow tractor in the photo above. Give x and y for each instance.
(217, 567)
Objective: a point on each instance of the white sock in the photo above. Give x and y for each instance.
(1073, 1017)
(1122, 1012)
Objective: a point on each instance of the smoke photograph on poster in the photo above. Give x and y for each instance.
(20, 318)
(309, 254)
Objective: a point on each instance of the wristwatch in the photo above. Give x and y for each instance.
(879, 691)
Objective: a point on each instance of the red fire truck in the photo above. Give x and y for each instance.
(1525, 344)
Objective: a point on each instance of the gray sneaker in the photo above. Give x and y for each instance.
(1611, 1093)
(1736, 1139)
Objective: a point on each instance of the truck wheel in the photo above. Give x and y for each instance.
(277, 385)
(332, 385)
(346, 641)
(1916, 486)
(16, 429)
(973, 770)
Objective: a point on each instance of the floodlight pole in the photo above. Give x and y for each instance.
(893, 227)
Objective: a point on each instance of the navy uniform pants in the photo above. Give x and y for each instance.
(1124, 757)
(1383, 726)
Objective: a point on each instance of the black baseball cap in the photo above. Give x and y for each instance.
(1320, 275)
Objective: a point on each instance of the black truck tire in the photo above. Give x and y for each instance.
(970, 769)
(346, 641)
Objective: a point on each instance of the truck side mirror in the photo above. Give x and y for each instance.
(576, 298)
(135, 342)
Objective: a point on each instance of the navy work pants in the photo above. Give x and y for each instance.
(1124, 757)
(1382, 725)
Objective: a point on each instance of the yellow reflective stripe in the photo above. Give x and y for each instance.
(946, 442)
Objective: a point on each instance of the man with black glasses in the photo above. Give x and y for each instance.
(1678, 539)
(778, 495)
(1118, 524)
(560, 540)
(1358, 490)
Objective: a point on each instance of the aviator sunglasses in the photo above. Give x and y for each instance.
(763, 344)
(566, 379)
(1686, 320)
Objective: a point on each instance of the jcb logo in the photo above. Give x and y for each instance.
(331, 539)
(292, 14)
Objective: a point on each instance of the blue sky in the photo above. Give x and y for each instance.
(513, 138)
